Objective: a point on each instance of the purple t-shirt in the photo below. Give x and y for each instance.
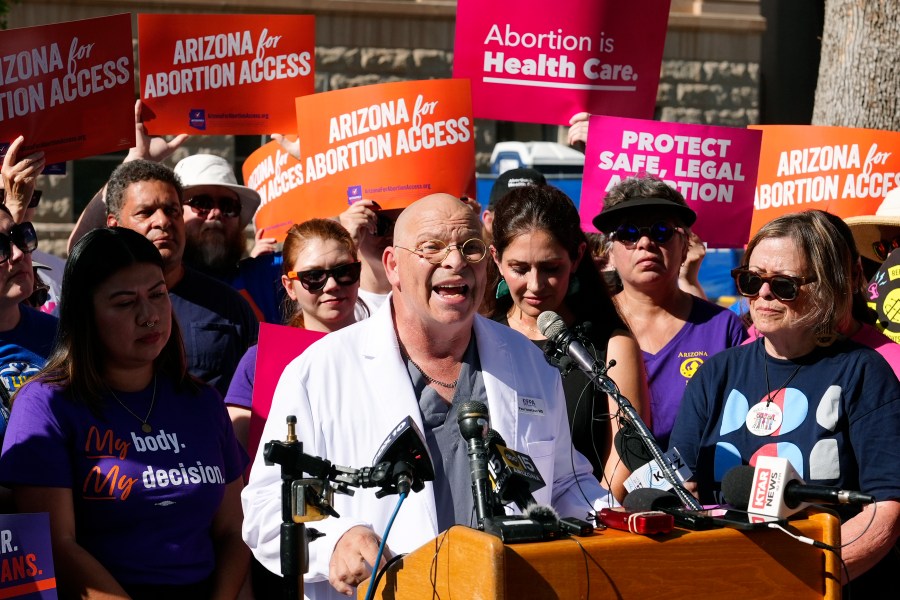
(144, 502)
(240, 390)
(709, 329)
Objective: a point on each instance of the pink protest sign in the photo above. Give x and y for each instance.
(278, 345)
(542, 62)
(714, 168)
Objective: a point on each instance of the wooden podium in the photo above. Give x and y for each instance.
(719, 563)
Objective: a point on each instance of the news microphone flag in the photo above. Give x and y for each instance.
(651, 476)
(770, 480)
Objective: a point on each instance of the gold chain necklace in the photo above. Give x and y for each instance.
(523, 324)
(428, 377)
(145, 426)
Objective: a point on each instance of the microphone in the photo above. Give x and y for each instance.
(473, 425)
(775, 489)
(405, 455)
(630, 447)
(554, 329)
(513, 474)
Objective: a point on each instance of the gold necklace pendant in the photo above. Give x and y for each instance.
(145, 426)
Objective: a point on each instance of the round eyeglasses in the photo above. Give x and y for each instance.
(435, 251)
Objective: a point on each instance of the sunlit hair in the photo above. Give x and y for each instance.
(298, 237)
(545, 208)
(860, 311)
(78, 357)
(645, 185)
(826, 255)
(133, 172)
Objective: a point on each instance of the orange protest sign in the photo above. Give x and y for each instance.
(68, 88)
(842, 170)
(224, 74)
(392, 143)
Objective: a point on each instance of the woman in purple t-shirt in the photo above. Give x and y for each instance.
(135, 461)
(648, 223)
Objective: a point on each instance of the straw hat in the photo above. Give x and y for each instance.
(865, 228)
(208, 169)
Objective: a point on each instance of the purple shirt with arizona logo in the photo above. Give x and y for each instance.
(144, 502)
(710, 329)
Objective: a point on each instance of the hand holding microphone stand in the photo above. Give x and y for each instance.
(561, 343)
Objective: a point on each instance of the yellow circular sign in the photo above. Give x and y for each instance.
(690, 366)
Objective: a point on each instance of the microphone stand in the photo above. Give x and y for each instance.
(607, 385)
(556, 352)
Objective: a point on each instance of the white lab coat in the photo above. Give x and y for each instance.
(349, 390)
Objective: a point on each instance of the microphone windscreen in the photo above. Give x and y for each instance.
(643, 499)
(472, 418)
(736, 486)
(630, 447)
(541, 513)
(550, 324)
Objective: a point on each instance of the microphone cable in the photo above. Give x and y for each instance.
(601, 477)
(372, 580)
(835, 549)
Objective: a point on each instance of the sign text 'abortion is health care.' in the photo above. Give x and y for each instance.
(392, 143)
(224, 74)
(68, 88)
(842, 170)
(543, 62)
(714, 168)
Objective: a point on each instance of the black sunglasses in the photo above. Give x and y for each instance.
(203, 203)
(630, 234)
(23, 236)
(884, 247)
(315, 279)
(784, 287)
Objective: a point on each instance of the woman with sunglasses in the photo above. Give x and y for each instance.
(861, 325)
(134, 459)
(26, 334)
(648, 222)
(802, 391)
(543, 262)
(321, 278)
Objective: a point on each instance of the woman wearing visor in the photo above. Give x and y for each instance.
(803, 392)
(648, 223)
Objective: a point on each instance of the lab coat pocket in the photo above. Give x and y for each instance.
(542, 455)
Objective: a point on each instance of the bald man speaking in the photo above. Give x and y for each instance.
(425, 352)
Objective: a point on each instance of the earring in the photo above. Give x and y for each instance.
(502, 289)
(574, 285)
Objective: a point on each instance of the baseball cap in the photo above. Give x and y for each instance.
(512, 179)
